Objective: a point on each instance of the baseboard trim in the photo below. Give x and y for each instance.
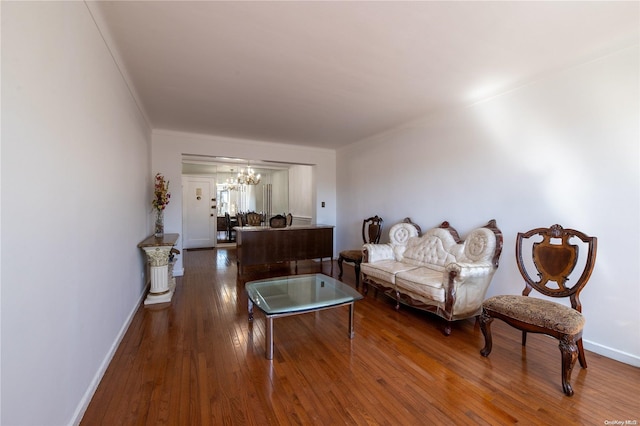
(612, 353)
(93, 386)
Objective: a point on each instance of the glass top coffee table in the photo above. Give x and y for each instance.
(298, 294)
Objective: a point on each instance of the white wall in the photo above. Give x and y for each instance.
(76, 191)
(166, 158)
(564, 150)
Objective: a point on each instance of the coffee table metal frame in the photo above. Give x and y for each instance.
(297, 310)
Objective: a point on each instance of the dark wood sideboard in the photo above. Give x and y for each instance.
(259, 245)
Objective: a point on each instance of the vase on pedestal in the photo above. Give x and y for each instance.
(159, 228)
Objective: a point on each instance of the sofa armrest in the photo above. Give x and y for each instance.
(469, 270)
(466, 286)
(377, 252)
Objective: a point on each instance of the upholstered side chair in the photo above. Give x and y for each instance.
(553, 259)
(278, 221)
(371, 231)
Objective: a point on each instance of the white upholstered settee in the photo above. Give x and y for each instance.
(435, 272)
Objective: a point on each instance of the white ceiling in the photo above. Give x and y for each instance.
(330, 73)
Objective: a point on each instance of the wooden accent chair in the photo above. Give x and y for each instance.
(371, 231)
(555, 261)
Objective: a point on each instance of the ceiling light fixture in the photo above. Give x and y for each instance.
(248, 176)
(231, 184)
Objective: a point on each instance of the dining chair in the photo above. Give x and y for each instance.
(254, 219)
(231, 233)
(278, 221)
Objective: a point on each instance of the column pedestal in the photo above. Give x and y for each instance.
(160, 268)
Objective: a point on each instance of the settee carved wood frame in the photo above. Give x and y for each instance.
(450, 295)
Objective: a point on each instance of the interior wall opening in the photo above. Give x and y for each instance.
(274, 188)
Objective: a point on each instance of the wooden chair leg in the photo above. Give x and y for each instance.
(340, 260)
(357, 267)
(524, 338)
(569, 351)
(447, 328)
(485, 327)
(581, 356)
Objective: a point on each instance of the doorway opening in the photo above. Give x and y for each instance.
(231, 198)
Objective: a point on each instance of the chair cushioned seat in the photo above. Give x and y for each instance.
(538, 312)
(352, 255)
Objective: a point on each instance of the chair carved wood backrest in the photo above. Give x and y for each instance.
(254, 219)
(555, 262)
(372, 229)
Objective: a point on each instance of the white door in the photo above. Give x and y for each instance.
(199, 211)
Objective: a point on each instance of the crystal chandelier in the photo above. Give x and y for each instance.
(248, 176)
(231, 184)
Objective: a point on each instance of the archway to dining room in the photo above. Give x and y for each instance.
(239, 186)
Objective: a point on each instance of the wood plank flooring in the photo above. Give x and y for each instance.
(198, 361)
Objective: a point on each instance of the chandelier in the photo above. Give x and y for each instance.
(248, 176)
(231, 184)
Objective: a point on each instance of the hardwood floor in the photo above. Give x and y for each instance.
(198, 361)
